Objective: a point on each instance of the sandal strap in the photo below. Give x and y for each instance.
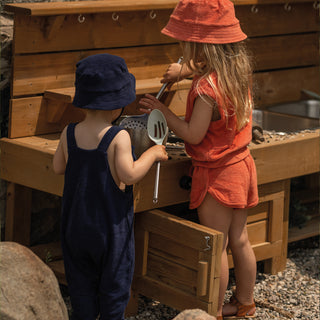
(243, 309)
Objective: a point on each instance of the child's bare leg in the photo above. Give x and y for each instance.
(212, 214)
(243, 258)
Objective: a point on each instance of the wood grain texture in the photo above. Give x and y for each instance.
(132, 28)
(56, 8)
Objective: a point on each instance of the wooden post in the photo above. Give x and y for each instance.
(278, 263)
(132, 307)
(18, 214)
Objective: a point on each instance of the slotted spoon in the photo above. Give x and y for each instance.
(157, 131)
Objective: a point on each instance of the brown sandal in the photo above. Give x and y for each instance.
(219, 317)
(244, 311)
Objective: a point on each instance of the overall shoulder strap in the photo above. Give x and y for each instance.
(71, 140)
(108, 137)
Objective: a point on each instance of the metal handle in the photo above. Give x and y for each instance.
(161, 91)
(156, 184)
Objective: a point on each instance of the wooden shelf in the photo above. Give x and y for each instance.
(311, 229)
(59, 99)
(80, 7)
(143, 86)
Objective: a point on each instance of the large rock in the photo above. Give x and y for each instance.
(29, 289)
(194, 314)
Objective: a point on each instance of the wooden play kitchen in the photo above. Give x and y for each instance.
(177, 260)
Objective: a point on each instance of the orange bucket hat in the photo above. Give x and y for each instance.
(205, 21)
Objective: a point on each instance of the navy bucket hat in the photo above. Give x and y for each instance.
(103, 82)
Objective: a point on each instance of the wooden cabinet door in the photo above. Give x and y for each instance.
(177, 261)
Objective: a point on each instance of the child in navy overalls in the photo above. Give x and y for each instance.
(97, 205)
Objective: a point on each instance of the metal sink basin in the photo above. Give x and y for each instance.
(282, 122)
(305, 108)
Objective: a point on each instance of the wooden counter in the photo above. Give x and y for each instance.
(275, 161)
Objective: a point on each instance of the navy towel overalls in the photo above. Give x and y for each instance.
(97, 233)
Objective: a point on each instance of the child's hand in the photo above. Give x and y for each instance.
(160, 152)
(149, 102)
(172, 74)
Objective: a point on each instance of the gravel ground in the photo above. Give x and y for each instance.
(290, 294)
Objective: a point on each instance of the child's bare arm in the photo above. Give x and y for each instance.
(193, 131)
(128, 170)
(59, 158)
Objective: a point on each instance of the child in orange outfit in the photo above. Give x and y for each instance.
(217, 131)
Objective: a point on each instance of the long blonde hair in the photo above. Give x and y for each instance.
(232, 66)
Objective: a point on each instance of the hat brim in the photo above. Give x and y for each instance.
(184, 31)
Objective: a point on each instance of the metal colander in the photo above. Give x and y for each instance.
(137, 126)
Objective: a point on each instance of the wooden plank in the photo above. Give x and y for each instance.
(18, 213)
(76, 7)
(258, 232)
(279, 261)
(260, 212)
(281, 52)
(29, 166)
(125, 29)
(177, 252)
(301, 18)
(276, 220)
(170, 191)
(28, 117)
(57, 101)
(271, 191)
(285, 85)
(273, 163)
(311, 229)
(169, 296)
(142, 248)
(143, 86)
(262, 251)
(180, 230)
(172, 274)
(33, 74)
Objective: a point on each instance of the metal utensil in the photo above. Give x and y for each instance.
(140, 121)
(157, 131)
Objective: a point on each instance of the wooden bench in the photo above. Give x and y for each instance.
(177, 260)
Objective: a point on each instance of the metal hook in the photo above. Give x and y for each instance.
(207, 243)
(254, 9)
(81, 18)
(115, 16)
(316, 5)
(153, 15)
(287, 7)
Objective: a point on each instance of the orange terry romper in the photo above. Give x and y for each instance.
(222, 164)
